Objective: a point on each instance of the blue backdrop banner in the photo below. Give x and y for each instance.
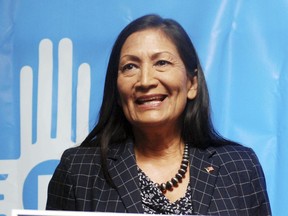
(53, 58)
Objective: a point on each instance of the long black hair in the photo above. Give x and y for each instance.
(112, 126)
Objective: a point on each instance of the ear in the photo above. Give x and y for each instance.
(192, 87)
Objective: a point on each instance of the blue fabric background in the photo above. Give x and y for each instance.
(242, 47)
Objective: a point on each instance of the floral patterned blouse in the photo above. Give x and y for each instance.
(154, 202)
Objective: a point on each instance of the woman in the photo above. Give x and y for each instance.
(154, 148)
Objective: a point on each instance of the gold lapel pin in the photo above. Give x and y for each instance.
(209, 169)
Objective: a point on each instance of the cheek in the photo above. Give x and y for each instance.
(181, 92)
(120, 92)
(179, 85)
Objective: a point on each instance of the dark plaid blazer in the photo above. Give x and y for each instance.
(236, 186)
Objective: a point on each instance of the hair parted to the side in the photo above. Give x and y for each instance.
(112, 126)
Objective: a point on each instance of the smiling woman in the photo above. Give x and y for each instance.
(154, 149)
(153, 83)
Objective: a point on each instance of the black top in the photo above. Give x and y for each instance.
(154, 202)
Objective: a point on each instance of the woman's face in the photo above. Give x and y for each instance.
(152, 80)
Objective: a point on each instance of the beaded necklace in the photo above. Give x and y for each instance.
(179, 175)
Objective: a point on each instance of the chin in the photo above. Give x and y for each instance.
(151, 123)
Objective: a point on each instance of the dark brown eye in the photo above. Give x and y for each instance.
(128, 67)
(162, 63)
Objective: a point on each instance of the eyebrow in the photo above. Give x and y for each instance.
(153, 56)
(130, 57)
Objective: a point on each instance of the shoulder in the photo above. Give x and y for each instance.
(80, 154)
(88, 155)
(79, 159)
(235, 157)
(233, 152)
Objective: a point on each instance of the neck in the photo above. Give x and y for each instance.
(158, 144)
(159, 154)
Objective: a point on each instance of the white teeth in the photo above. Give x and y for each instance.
(151, 99)
(151, 102)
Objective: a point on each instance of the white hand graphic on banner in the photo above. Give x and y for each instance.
(44, 104)
(38, 159)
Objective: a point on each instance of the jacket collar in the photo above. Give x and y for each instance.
(123, 171)
(204, 171)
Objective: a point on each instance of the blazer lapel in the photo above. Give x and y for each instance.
(123, 171)
(203, 175)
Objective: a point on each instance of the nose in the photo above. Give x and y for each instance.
(146, 77)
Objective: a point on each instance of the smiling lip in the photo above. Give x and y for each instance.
(150, 101)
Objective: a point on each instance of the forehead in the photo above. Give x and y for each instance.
(148, 40)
